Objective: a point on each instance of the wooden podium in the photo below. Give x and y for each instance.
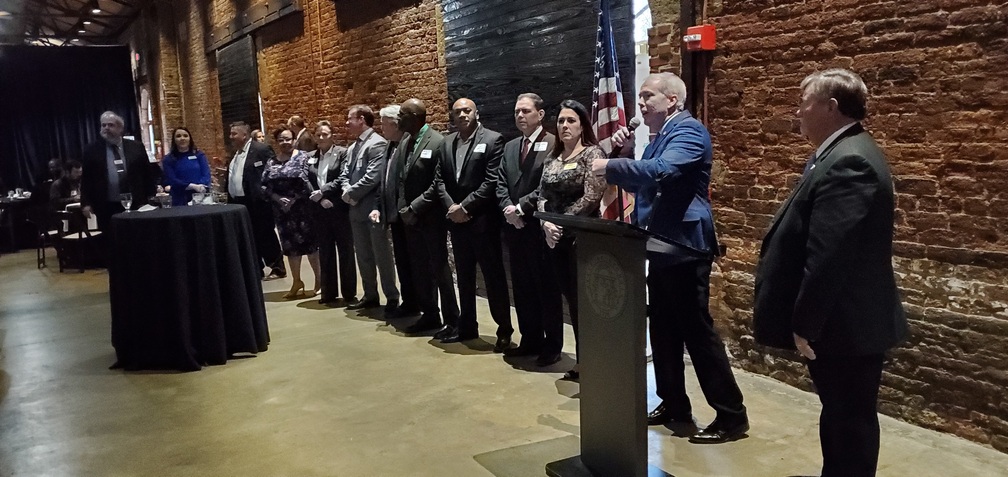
(613, 306)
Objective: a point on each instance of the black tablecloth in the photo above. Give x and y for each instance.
(17, 232)
(185, 287)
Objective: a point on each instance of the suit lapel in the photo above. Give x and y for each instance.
(424, 140)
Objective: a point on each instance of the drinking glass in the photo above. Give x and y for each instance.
(126, 200)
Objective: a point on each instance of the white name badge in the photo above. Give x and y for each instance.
(313, 161)
(539, 146)
(192, 158)
(426, 153)
(571, 166)
(360, 163)
(257, 164)
(117, 161)
(480, 148)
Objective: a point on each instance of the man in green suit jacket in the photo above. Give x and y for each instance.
(824, 282)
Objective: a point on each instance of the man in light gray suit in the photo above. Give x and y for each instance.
(360, 182)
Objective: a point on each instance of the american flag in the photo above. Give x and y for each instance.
(608, 113)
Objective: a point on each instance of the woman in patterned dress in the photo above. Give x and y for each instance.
(568, 187)
(286, 183)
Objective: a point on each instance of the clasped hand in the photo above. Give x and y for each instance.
(553, 233)
(512, 217)
(457, 214)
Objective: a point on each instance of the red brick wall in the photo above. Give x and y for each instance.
(939, 95)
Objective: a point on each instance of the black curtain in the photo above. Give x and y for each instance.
(51, 99)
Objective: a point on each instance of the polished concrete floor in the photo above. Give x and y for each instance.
(339, 394)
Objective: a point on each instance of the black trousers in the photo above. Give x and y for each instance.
(404, 269)
(679, 296)
(336, 254)
(848, 388)
(428, 252)
(264, 233)
(478, 242)
(525, 249)
(559, 281)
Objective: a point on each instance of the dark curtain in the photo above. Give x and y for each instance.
(51, 99)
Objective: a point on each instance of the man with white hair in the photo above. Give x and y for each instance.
(113, 166)
(671, 182)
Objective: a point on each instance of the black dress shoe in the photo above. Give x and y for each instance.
(664, 415)
(572, 375)
(447, 330)
(364, 304)
(502, 344)
(350, 301)
(391, 306)
(456, 337)
(423, 325)
(547, 359)
(522, 350)
(721, 430)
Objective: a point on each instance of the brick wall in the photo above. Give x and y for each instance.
(938, 101)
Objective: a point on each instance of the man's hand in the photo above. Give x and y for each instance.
(512, 217)
(408, 216)
(553, 233)
(326, 204)
(285, 204)
(346, 198)
(316, 196)
(803, 346)
(86, 210)
(599, 167)
(457, 214)
(375, 216)
(623, 139)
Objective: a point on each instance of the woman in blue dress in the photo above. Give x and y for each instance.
(186, 169)
(288, 187)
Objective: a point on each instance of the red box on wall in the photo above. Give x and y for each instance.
(700, 38)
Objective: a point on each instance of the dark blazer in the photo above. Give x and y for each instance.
(331, 189)
(362, 176)
(517, 182)
(417, 187)
(475, 189)
(306, 142)
(671, 183)
(387, 200)
(825, 269)
(258, 156)
(142, 176)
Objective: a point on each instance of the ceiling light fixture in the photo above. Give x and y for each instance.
(96, 11)
(81, 31)
(87, 22)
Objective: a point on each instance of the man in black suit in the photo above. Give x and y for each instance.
(519, 176)
(333, 224)
(359, 183)
(113, 166)
(244, 186)
(824, 282)
(386, 212)
(303, 139)
(423, 214)
(466, 180)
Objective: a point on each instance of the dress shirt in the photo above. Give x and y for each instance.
(327, 159)
(462, 148)
(236, 173)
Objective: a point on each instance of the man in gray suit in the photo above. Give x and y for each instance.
(360, 182)
(824, 282)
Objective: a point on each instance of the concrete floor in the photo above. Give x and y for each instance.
(344, 395)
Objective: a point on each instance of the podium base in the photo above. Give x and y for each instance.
(573, 467)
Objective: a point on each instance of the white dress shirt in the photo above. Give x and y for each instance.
(236, 172)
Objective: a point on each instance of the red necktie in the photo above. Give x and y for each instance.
(524, 151)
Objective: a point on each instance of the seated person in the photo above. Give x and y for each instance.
(66, 190)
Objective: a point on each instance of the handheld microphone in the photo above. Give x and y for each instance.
(633, 124)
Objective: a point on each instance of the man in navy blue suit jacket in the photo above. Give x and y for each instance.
(671, 186)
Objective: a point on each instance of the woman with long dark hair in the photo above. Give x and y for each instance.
(186, 168)
(568, 187)
(288, 187)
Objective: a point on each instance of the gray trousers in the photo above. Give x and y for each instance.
(374, 258)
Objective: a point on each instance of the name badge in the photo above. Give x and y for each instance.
(313, 160)
(360, 163)
(480, 148)
(117, 162)
(539, 146)
(570, 167)
(192, 158)
(257, 164)
(426, 153)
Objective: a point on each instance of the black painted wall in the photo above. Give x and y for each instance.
(498, 49)
(239, 84)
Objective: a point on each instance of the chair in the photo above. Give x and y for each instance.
(77, 243)
(47, 227)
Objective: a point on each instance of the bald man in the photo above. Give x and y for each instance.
(466, 179)
(423, 215)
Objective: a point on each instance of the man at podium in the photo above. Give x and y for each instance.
(671, 185)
